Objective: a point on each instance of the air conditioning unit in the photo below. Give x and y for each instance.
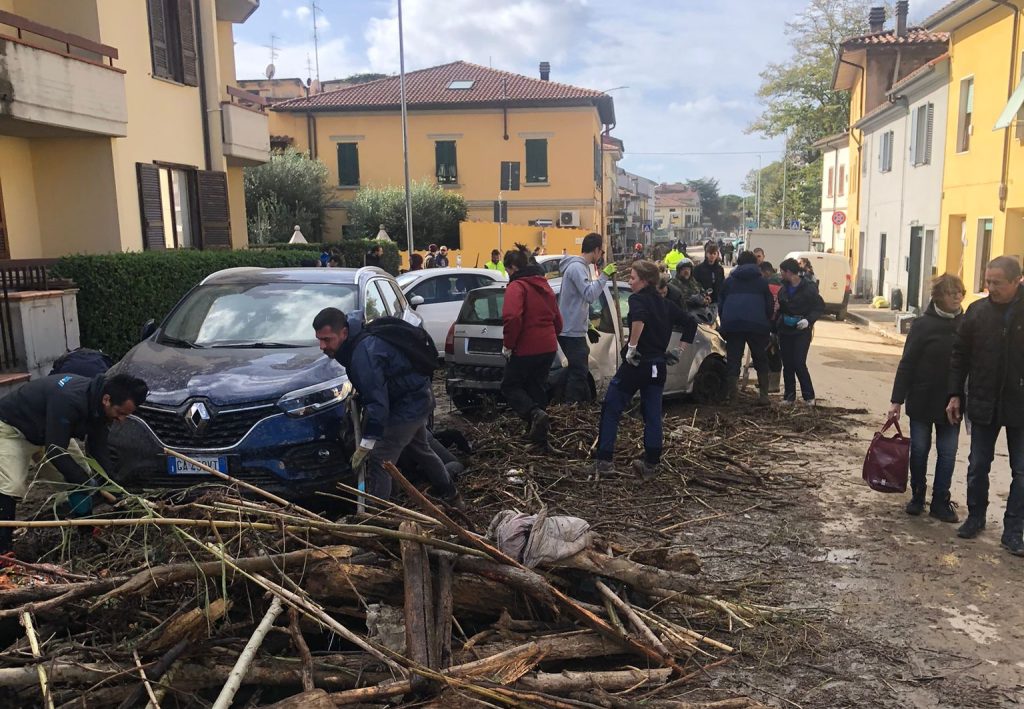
(569, 217)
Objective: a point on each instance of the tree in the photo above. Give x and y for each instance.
(707, 187)
(364, 78)
(436, 214)
(802, 185)
(290, 189)
(731, 211)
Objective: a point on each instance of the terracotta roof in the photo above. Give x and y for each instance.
(919, 72)
(914, 35)
(675, 198)
(610, 141)
(430, 88)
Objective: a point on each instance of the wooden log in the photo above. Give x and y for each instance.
(154, 673)
(299, 643)
(639, 576)
(312, 699)
(638, 624)
(419, 607)
(580, 644)
(609, 681)
(444, 606)
(241, 668)
(192, 625)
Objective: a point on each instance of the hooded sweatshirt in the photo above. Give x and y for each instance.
(530, 314)
(578, 292)
(746, 303)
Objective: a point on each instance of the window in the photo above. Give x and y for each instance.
(445, 163)
(841, 182)
(448, 289)
(885, 152)
(598, 155)
(984, 252)
(922, 120)
(348, 164)
(460, 85)
(392, 300)
(965, 126)
(831, 182)
(172, 41)
(183, 208)
(536, 160)
(373, 304)
(5, 251)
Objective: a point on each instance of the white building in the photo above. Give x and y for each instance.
(835, 188)
(634, 214)
(901, 187)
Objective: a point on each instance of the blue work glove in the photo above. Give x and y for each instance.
(80, 503)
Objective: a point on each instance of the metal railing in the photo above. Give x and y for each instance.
(19, 275)
(22, 25)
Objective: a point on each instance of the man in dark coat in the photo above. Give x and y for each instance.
(710, 274)
(800, 306)
(747, 307)
(986, 380)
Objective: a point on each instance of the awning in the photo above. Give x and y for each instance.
(1012, 108)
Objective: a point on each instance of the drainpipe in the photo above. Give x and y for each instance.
(860, 155)
(203, 102)
(1004, 173)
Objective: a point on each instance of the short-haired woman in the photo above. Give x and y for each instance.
(651, 319)
(800, 306)
(922, 383)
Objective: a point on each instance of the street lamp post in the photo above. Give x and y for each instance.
(405, 132)
(602, 226)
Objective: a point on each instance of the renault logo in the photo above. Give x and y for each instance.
(197, 417)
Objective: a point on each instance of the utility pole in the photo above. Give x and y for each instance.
(757, 202)
(405, 131)
(785, 174)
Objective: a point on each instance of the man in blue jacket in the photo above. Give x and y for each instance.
(397, 401)
(578, 292)
(747, 307)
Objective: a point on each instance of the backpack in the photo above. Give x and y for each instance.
(414, 342)
(83, 362)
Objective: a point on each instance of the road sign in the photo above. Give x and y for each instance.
(647, 228)
(795, 224)
(839, 218)
(501, 211)
(509, 176)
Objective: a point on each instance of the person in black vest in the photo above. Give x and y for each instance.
(921, 382)
(397, 401)
(800, 306)
(986, 379)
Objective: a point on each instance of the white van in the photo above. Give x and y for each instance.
(833, 274)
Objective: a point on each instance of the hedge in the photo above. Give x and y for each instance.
(351, 251)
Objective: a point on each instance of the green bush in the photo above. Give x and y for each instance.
(436, 213)
(351, 251)
(290, 189)
(119, 292)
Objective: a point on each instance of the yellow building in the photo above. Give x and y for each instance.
(868, 66)
(464, 121)
(983, 181)
(121, 128)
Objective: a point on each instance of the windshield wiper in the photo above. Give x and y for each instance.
(178, 342)
(256, 345)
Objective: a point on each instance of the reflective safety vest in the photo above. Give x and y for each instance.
(491, 266)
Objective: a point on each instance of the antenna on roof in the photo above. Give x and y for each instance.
(271, 69)
(316, 40)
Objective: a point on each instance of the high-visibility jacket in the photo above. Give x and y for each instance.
(491, 266)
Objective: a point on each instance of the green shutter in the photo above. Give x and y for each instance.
(445, 165)
(348, 164)
(537, 160)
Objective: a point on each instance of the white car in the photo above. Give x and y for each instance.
(437, 295)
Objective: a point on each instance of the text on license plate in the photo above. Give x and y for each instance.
(176, 466)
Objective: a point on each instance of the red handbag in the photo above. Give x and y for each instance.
(887, 464)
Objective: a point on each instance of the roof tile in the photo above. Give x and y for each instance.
(914, 35)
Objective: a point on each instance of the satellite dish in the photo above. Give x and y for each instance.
(270, 71)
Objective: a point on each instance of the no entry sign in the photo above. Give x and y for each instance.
(839, 218)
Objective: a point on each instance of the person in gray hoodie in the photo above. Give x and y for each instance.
(578, 292)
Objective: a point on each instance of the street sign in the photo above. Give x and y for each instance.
(795, 224)
(647, 228)
(839, 218)
(509, 176)
(501, 211)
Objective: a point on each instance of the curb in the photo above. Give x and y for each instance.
(886, 332)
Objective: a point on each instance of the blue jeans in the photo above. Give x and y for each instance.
(794, 347)
(577, 352)
(946, 439)
(983, 450)
(624, 385)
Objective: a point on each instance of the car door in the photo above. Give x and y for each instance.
(438, 310)
(677, 376)
(606, 352)
(396, 303)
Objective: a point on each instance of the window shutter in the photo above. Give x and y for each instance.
(214, 214)
(5, 248)
(915, 127)
(189, 58)
(158, 39)
(929, 129)
(537, 160)
(831, 181)
(150, 207)
(348, 164)
(841, 181)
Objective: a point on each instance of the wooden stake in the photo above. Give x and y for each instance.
(445, 603)
(33, 642)
(419, 607)
(227, 694)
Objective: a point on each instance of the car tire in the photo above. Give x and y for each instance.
(709, 384)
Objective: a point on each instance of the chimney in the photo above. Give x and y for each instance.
(545, 71)
(876, 19)
(902, 10)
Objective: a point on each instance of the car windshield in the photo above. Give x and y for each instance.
(482, 307)
(260, 315)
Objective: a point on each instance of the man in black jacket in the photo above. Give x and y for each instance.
(710, 274)
(44, 416)
(988, 365)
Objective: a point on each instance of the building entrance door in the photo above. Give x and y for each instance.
(881, 264)
(914, 264)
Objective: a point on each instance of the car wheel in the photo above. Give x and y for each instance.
(709, 384)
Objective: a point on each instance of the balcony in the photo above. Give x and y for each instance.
(53, 83)
(246, 130)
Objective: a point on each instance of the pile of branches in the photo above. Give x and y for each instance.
(247, 600)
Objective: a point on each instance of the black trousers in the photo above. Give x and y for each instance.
(524, 384)
(7, 507)
(735, 345)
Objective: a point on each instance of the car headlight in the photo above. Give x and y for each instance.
(316, 398)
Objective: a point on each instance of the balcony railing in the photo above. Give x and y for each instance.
(104, 54)
(247, 99)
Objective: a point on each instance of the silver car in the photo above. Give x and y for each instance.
(474, 364)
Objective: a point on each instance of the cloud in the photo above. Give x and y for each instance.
(302, 13)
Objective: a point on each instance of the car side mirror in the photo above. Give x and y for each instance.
(148, 328)
(416, 300)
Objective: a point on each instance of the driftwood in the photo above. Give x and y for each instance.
(420, 644)
(309, 699)
(238, 672)
(613, 681)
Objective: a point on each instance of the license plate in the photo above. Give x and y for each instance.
(176, 466)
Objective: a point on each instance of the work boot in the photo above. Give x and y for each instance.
(539, 424)
(762, 389)
(916, 504)
(602, 467)
(1012, 543)
(732, 385)
(455, 500)
(971, 527)
(943, 509)
(647, 471)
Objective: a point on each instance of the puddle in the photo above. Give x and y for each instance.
(973, 623)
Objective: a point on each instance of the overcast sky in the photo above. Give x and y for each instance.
(691, 66)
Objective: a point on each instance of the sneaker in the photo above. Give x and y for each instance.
(943, 510)
(645, 470)
(971, 527)
(1013, 544)
(539, 424)
(809, 402)
(788, 402)
(602, 467)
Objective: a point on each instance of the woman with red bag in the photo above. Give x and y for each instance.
(921, 383)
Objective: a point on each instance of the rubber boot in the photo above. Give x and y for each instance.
(916, 504)
(762, 389)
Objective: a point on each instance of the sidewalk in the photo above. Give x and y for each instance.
(877, 320)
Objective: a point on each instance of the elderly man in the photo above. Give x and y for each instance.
(987, 379)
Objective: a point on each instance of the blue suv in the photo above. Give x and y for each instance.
(238, 382)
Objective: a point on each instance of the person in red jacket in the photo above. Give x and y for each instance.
(532, 322)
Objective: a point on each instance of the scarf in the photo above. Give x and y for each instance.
(943, 314)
